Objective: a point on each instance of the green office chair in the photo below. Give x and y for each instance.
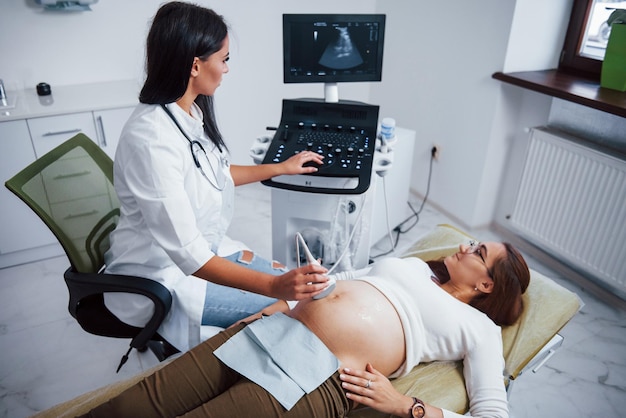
(71, 189)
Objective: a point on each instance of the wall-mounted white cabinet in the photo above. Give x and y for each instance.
(29, 131)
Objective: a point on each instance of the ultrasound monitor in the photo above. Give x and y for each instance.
(333, 48)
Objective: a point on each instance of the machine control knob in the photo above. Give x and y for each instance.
(300, 125)
(314, 126)
(339, 128)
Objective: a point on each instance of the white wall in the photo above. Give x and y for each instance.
(525, 109)
(438, 63)
(537, 34)
(72, 48)
(437, 81)
(108, 44)
(534, 43)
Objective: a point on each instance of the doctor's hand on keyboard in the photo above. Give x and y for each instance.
(302, 163)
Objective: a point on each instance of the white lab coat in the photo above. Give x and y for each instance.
(173, 220)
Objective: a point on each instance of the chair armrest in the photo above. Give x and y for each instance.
(81, 285)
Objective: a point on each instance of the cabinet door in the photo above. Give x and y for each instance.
(109, 124)
(20, 228)
(50, 132)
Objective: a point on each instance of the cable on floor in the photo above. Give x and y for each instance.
(416, 213)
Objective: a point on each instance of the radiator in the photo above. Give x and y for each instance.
(572, 203)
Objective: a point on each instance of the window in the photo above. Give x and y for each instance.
(587, 35)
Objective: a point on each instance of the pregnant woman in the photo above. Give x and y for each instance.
(325, 357)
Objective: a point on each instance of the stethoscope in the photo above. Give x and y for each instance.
(195, 148)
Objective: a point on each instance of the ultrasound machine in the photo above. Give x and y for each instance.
(331, 210)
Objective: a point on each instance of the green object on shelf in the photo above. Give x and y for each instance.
(613, 74)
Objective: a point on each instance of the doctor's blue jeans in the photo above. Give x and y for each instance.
(224, 305)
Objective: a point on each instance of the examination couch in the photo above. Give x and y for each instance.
(527, 344)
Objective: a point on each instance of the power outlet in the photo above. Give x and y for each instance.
(435, 151)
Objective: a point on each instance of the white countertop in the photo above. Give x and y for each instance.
(70, 99)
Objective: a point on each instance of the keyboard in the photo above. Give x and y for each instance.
(344, 133)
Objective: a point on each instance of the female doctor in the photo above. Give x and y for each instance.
(176, 189)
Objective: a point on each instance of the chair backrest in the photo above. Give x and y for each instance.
(71, 189)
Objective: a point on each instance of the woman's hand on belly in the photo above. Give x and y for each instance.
(358, 324)
(371, 388)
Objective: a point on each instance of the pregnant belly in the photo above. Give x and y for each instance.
(358, 324)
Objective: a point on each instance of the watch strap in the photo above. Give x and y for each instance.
(418, 409)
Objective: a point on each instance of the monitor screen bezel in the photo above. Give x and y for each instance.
(288, 19)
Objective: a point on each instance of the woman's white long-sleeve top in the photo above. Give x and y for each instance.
(173, 220)
(438, 326)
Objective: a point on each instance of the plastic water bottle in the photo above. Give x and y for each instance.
(387, 133)
(388, 129)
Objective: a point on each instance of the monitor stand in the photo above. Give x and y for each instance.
(331, 93)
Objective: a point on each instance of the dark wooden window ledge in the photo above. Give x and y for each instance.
(584, 91)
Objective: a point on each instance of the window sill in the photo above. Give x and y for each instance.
(576, 89)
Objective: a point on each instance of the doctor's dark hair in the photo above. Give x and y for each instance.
(179, 33)
(510, 275)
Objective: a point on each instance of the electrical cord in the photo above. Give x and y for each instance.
(350, 238)
(416, 213)
(356, 225)
(389, 235)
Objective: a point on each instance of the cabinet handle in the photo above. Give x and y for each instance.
(70, 175)
(104, 138)
(69, 131)
(81, 215)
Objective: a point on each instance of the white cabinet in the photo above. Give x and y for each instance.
(75, 207)
(20, 228)
(23, 236)
(50, 132)
(102, 126)
(109, 124)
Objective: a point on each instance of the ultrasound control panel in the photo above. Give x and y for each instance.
(344, 133)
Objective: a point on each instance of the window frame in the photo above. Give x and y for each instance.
(571, 61)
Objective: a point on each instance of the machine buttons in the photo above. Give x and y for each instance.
(342, 133)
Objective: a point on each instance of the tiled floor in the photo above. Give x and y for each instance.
(45, 358)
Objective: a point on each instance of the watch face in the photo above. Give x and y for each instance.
(418, 411)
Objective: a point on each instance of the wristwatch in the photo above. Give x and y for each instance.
(418, 410)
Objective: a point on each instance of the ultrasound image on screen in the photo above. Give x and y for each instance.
(342, 53)
(330, 50)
